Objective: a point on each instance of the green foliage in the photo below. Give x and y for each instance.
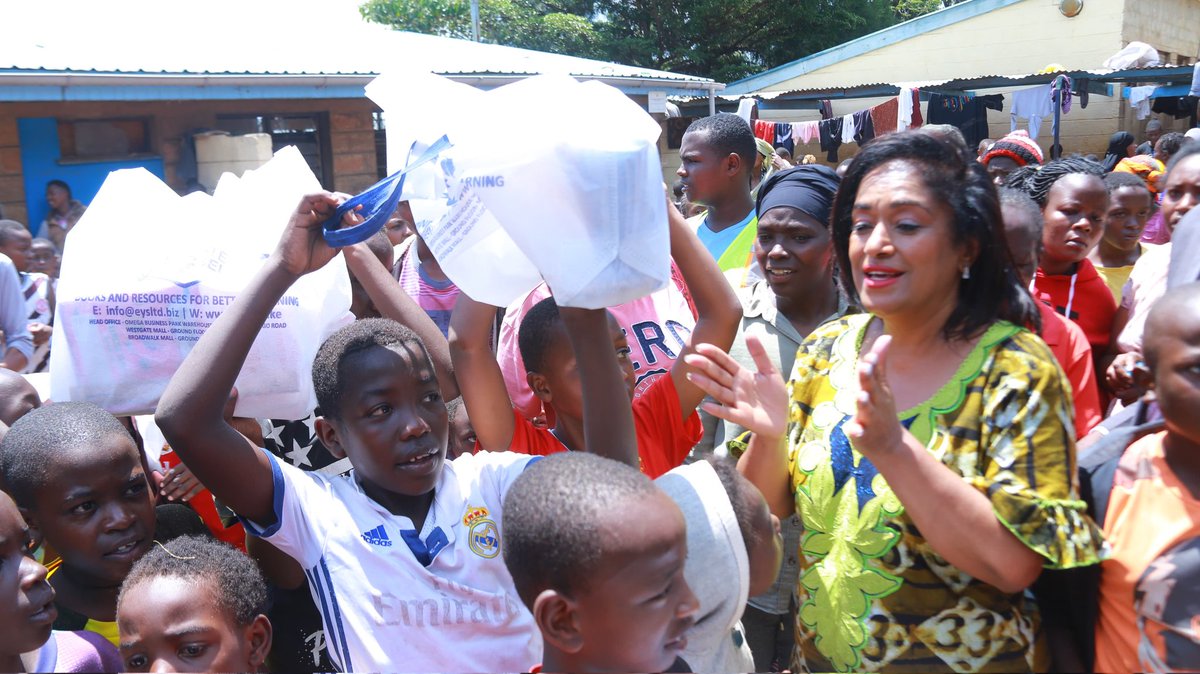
(722, 39)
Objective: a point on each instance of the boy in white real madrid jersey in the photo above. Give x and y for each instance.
(403, 555)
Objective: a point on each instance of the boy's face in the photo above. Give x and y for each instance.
(766, 551)
(169, 624)
(705, 173)
(26, 600)
(400, 226)
(42, 259)
(1024, 246)
(97, 510)
(1128, 210)
(17, 397)
(1177, 371)
(462, 434)
(636, 611)
(561, 384)
(18, 248)
(393, 423)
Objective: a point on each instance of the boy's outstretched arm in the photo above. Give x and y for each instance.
(608, 426)
(190, 412)
(479, 377)
(717, 307)
(394, 303)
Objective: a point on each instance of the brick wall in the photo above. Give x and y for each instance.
(1171, 26)
(352, 140)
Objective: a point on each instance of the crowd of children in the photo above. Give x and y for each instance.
(985, 457)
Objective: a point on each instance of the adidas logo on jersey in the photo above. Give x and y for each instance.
(377, 536)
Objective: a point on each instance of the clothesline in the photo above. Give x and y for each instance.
(966, 112)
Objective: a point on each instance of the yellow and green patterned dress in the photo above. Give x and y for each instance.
(873, 595)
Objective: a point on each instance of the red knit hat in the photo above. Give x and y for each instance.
(1017, 146)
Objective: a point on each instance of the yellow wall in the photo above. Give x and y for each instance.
(1018, 39)
(1171, 26)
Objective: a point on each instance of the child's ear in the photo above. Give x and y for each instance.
(329, 437)
(258, 636)
(541, 388)
(732, 163)
(557, 619)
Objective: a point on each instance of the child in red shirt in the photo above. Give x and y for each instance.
(665, 420)
(1074, 202)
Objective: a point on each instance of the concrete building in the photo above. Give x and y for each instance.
(76, 109)
(978, 38)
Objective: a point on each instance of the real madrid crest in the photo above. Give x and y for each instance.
(483, 535)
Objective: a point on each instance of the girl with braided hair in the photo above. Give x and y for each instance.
(1074, 201)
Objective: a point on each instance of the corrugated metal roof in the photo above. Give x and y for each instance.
(369, 50)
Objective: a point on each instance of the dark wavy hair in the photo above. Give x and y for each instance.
(994, 291)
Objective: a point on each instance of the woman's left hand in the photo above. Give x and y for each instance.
(874, 430)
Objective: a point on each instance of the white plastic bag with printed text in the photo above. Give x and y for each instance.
(146, 271)
(547, 178)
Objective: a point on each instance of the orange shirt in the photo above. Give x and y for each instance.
(1150, 587)
(664, 437)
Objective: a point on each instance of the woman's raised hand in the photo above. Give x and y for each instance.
(875, 428)
(756, 401)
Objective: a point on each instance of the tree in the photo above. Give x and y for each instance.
(722, 39)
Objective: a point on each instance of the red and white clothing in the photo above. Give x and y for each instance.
(664, 437)
(1073, 353)
(1083, 297)
(436, 298)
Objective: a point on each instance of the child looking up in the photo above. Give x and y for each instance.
(601, 568)
(717, 156)
(80, 482)
(1129, 208)
(194, 605)
(401, 554)
(1074, 201)
(1147, 620)
(27, 611)
(666, 422)
(1023, 233)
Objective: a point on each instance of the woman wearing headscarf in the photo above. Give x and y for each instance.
(1121, 145)
(927, 445)
(794, 249)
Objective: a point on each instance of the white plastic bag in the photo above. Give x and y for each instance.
(557, 180)
(1133, 55)
(145, 272)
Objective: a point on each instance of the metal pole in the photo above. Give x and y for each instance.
(712, 102)
(1056, 148)
(475, 20)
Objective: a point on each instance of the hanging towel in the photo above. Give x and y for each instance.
(826, 109)
(904, 117)
(831, 137)
(864, 127)
(917, 120)
(848, 129)
(1139, 99)
(1036, 104)
(745, 108)
(783, 137)
(805, 132)
(1066, 95)
(764, 130)
(884, 116)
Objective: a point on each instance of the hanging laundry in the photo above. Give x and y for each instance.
(909, 111)
(864, 127)
(783, 137)
(764, 130)
(746, 108)
(1065, 83)
(831, 137)
(916, 122)
(805, 132)
(1139, 100)
(968, 113)
(1036, 104)
(826, 108)
(848, 128)
(884, 116)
